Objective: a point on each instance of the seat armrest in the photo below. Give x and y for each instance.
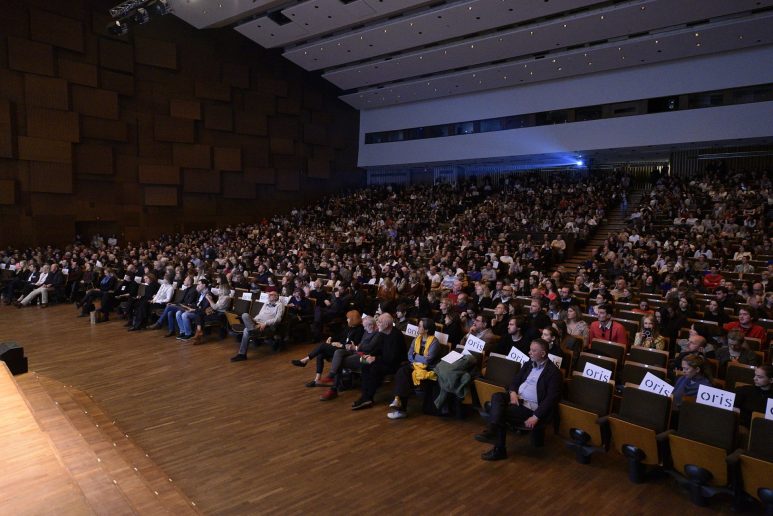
(734, 457)
(663, 436)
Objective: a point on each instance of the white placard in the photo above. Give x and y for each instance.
(516, 355)
(556, 360)
(372, 281)
(263, 297)
(715, 397)
(769, 409)
(284, 299)
(595, 372)
(451, 357)
(2, 266)
(652, 383)
(474, 344)
(442, 338)
(412, 330)
(66, 272)
(495, 264)
(247, 296)
(137, 279)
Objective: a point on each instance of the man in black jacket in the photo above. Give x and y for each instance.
(381, 362)
(530, 401)
(49, 280)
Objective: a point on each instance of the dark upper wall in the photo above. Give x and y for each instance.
(168, 129)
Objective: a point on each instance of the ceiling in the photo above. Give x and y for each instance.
(386, 52)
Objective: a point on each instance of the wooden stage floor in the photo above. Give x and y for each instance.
(249, 438)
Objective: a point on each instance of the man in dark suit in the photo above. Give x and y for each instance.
(50, 279)
(104, 292)
(530, 401)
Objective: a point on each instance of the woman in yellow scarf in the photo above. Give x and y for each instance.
(423, 354)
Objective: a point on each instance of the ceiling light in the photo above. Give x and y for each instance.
(117, 28)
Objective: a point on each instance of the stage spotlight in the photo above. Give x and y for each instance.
(117, 28)
(579, 163)
(160, 7)
(124, 8)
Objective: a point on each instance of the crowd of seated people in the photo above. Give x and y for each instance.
(473, 265)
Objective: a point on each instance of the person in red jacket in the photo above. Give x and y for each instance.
(745, 325)
(712, 279)
(607, 329)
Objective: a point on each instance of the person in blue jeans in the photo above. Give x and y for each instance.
(169, 314)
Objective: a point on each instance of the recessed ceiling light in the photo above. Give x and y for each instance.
(602, 16)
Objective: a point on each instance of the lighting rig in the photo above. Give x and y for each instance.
(135, 12)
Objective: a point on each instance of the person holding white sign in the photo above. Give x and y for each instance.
(480, 330)
(694, 369)
(754, 398)
(531, 400)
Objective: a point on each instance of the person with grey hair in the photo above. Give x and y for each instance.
(49, 280)
(352, 355)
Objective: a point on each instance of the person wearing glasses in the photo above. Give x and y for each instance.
(530, 401)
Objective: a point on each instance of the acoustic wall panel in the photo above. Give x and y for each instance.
(53, 124)
(160, 196)
(251, 123)
(282, 146)
(78, 73)
(159, 174)
(319, 169)
(58, 31)
(50, 177)
(218, 117)
(259, 103)
(6, 129)
(121, 83)
(235, 187)
(153, 52)
(95, 102)
(228, 158)
(116, 55)
(260, 175)
(11, 85)
(288, 180)
(169, 129)
(7, 191)
(102, 129)
(236, 75)
(29, 56)
(201, 181)
(94, 159)
(46, 92)
(50, 151)
(189, 109)
(192, 156)
(213, 91)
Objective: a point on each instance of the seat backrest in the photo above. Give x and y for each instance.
(634, 372)
(609, 349)
(654, 357)
(599, 360)
(761, 437)
(178, 296)
(141, 290)
(738, 373)
(646, 408)
(241, 306)
(500, 370)
(255, 308)
(589, 394)
(708, 425)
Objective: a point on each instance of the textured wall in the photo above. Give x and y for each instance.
(167, 129)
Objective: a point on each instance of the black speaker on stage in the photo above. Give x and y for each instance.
(13, 355)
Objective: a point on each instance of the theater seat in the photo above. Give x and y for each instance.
(736, 372)
(607, 363)
(634, 372)
(639, 430)
(499, 372)
(699, 449)
(753, 468)
(586, 402)
(653, 357)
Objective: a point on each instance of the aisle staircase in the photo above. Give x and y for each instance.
(115, 476)
(614, 222)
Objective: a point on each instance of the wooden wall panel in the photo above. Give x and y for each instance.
(251, 123)
(192, 156)
(52, 124)
(50, 204)
(257, 154)
(50, 177)
(213, 90)
(169, 129)
(201, 181)
(94, 159)
(189, 109)
(236, 75)
(121, 83)
(315, 134)
(284, 127)
(6, 129)
(12, 85)
(58, 31)
(38, 149)
(116, 55)
(153, 52)
(159, 174)
(160, 196)
(228, 158)
(258, 103)
(95, 102)
(288, 180)
(102, 129)
(78, 73)
(7, 191)
(260, 175)
(218, 117)
(282, 146)
(319, 169)
(46, 92)
(235, 187)
(29, 56)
